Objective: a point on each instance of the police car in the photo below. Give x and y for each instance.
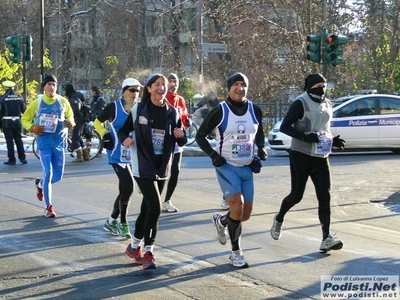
(365, 122)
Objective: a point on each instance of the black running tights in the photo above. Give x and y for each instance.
(125, 187)
(303, 166)
(146, 225)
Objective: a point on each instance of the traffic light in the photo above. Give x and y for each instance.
(339, 41)
(15, 42)
(332, 51)
(28, 48)
(314, 48)
(330, 54)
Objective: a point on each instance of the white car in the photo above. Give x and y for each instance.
(277, 140)
(365, 122)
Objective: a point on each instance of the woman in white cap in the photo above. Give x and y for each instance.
(156, 128)
(115, 114)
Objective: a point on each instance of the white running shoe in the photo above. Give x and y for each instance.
(224, 204)
(236, 258)
(168, 207)
(276, 229)
(331, 243)
(221, 230)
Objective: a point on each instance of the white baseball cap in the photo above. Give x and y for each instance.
(130, 82)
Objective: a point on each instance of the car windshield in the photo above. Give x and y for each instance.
(341, 100)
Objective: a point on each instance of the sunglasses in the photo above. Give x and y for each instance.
(133, 90)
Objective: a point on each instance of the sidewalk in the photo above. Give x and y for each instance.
(27, 140)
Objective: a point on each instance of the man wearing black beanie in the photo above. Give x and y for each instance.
(237, 77)
(49, 78)
(237, 123)
(49, 117)
(308, 123)
(77, 100)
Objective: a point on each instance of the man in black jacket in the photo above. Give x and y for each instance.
(12, 106)
(76, 99)
(98, 103)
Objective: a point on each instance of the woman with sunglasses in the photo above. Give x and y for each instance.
(156, 128)
(119, 156)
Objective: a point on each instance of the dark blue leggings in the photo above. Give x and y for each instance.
(76, 136)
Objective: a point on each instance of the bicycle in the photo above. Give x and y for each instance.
(91, 139)
(191, 132)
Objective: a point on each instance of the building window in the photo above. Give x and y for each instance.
(283, 54)
(155, 25)
(191, 18)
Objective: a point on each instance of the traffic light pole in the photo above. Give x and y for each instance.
(24, 79)
(323, 42)
(200, 44)
(25, 37)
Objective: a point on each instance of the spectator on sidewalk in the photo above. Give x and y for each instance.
(49, 116)
(76, 99)
(98, 103)
(12, 106)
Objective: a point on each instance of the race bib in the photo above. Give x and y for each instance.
(325, 145)
(49, 122)
(158, 140)
(241, 146)
(125, 154)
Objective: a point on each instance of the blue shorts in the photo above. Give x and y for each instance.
(234, 180)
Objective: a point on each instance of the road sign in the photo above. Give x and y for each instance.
(211, 47)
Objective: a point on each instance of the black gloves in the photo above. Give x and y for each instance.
(338, 142)
(262, 153)
(108, 141)
(311, 138)
(217, 160)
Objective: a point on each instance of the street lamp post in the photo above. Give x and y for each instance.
(200, 44)
(41, 41)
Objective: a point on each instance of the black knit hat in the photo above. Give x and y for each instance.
(49, 78)
(69, 90)
(313, 79)
(237, 77)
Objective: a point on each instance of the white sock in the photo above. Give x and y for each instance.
(148, 248)
(110, 220)
(135, 243)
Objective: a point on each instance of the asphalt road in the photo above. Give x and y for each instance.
(72, 257)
